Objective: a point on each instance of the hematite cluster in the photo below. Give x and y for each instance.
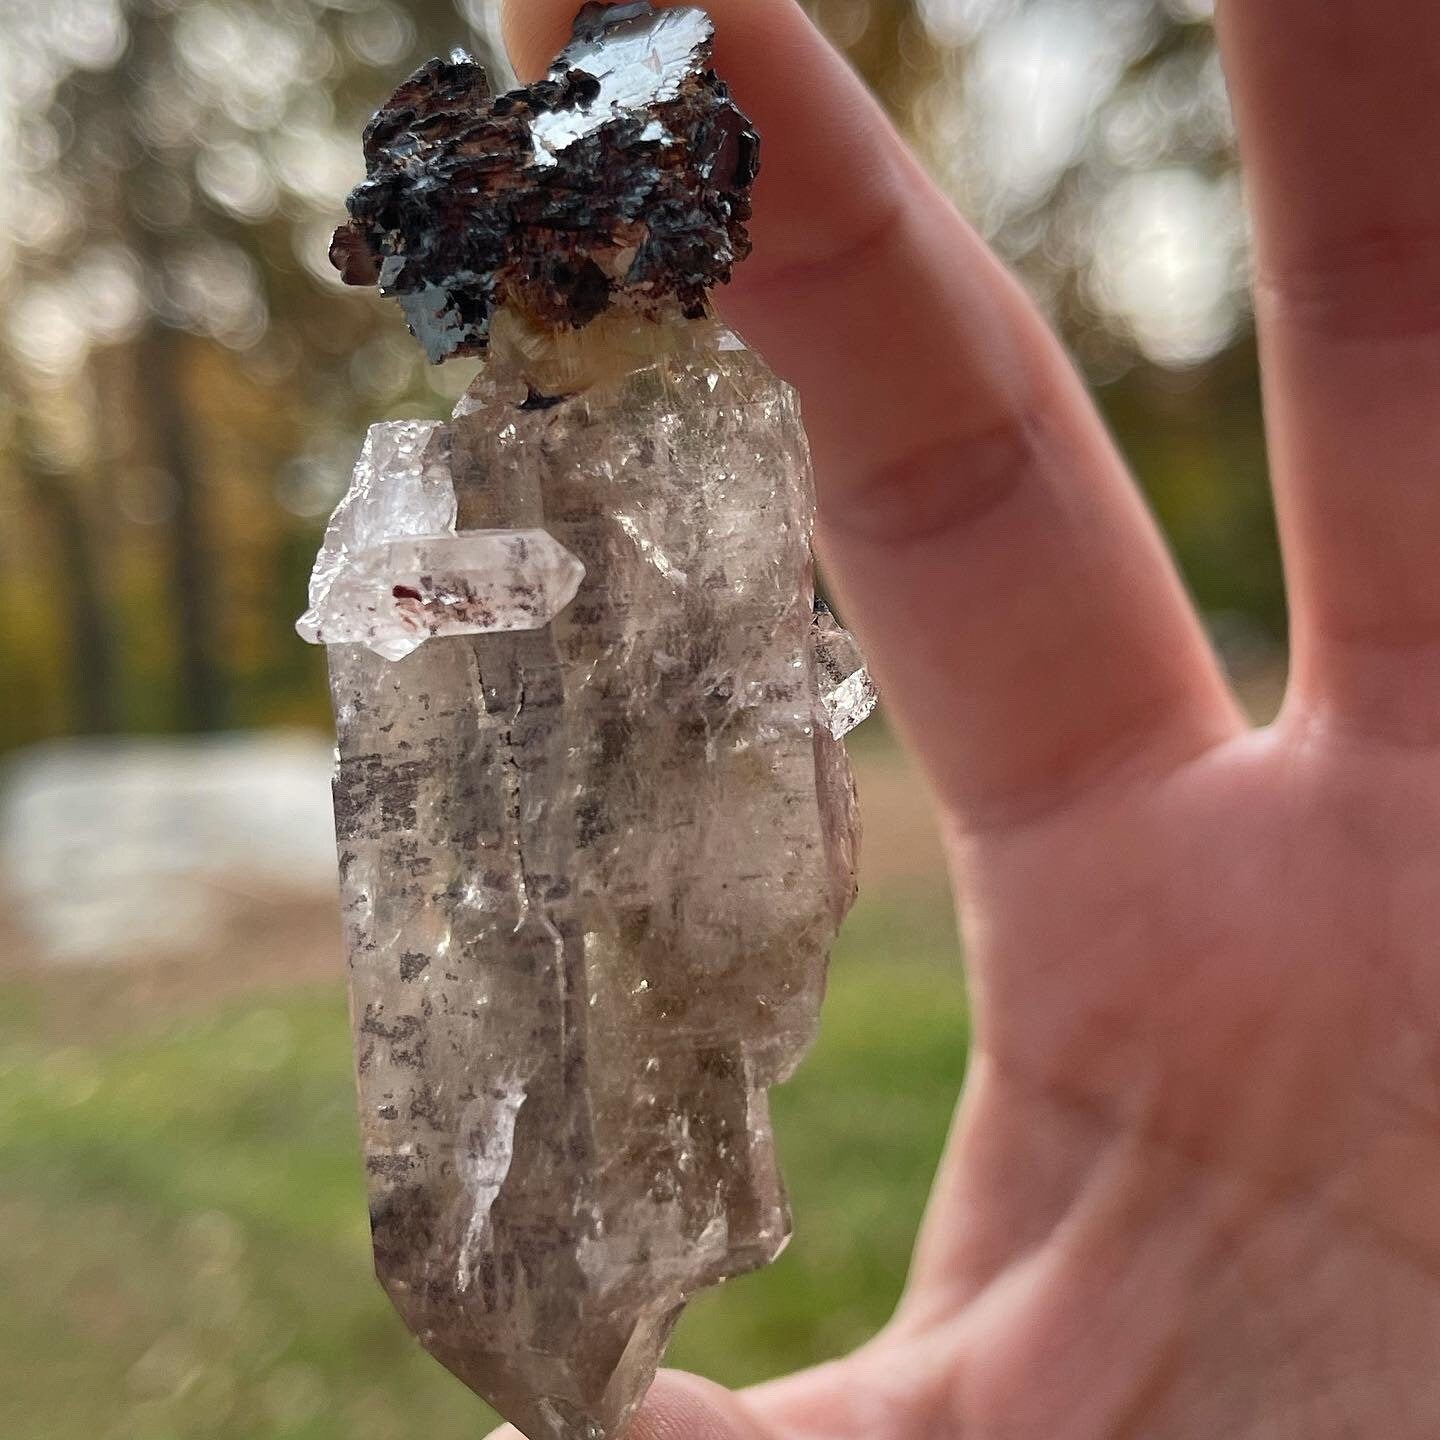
(615, 181)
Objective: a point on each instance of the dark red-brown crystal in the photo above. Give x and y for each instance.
(621, 178)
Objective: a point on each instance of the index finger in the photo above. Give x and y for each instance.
(1025, 624)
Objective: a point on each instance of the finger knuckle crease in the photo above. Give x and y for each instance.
(1381, 281)
(939, 490)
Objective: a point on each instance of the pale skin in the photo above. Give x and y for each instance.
(1193, 1189)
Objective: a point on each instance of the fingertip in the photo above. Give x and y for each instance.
(681, 1406)
(534, 31)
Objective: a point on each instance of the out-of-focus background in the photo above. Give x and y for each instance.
(183, 386)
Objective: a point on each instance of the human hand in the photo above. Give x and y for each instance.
(1194, 1188)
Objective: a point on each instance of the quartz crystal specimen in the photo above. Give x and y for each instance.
(596, 824)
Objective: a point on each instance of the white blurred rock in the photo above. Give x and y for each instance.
(119, 849)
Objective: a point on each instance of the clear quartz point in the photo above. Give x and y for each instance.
(591, 872)
(847, 695)
(393, 572)
(392, 597)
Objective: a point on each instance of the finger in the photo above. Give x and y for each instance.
(1025, 623)
(683, 1407)
(1340, 136)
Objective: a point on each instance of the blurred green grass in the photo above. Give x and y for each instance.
(184, 1246)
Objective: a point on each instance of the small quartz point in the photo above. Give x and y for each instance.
(847, 694)
(393, 572)
(597, 833)
(393, 597)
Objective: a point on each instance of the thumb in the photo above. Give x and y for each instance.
(682, 1407)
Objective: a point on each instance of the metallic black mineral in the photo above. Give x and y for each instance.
(622, 179)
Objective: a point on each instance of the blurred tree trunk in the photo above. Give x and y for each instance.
(90, 649)
(201, 702)
(167, 424)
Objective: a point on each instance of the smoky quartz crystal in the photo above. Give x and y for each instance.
(596, 823)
